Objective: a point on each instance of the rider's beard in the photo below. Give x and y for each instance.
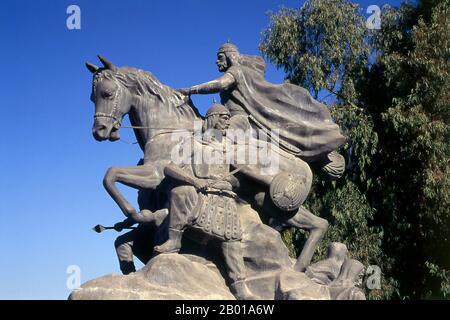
(222, 67)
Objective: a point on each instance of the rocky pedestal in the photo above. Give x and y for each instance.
(199, 275)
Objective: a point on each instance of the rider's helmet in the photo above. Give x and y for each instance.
(227, 48)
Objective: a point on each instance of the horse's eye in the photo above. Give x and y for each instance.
(107, 94)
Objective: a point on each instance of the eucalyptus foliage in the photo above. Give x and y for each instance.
(388, 89)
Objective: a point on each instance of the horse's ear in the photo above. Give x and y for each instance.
(91, 67)
(108, 64)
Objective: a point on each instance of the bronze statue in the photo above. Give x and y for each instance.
(203, 196)
(157, 112)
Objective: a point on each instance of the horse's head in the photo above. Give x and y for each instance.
(150, 104)
(112, 101)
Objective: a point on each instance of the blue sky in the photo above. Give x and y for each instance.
(51, 190)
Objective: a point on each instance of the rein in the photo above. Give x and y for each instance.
(162, 128)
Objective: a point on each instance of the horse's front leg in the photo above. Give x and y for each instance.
(317, 228)
(137, 177)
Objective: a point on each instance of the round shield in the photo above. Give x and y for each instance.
(287, 191)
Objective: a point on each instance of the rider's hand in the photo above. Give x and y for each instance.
(201, 185)
(185, 91)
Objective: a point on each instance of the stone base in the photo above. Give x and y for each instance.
(198, 273)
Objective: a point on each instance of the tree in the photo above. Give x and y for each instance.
(323, 47)
(411, 77)
(320, 46)
(389, 92)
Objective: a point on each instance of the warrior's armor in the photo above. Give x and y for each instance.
(216, 211)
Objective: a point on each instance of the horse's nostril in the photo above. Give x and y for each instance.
(114, 136)
(99, 131)
(99, 127)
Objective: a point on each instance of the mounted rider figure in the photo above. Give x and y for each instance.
(304, 125)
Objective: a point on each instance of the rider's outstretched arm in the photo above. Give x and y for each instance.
(223, 83)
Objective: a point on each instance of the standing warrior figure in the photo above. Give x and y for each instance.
(306, 129)
(204, 198)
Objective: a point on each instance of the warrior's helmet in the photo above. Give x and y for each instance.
(217, 109)
(212, 115)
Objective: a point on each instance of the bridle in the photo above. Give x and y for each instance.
(117, 124)
(112, 115)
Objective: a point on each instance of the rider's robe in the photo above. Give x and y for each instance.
(305, 126)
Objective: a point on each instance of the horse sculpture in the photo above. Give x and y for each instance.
(156, 112)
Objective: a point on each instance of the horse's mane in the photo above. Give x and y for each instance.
(145, 84)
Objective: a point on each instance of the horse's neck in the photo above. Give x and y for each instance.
(155, 119)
